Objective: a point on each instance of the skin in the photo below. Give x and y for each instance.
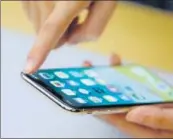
(154, 121)
(56, 23)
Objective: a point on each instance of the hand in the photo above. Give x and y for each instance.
(144, 121)
(56, 22)
(156, 117)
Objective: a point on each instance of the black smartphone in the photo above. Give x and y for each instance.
(102, 89)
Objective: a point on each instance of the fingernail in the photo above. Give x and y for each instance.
(29, 66)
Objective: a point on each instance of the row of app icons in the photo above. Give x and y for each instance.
(109, 98)
(91, 73)
(94, 99)
(86, 82)
(63, 75)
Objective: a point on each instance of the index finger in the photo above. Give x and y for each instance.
(49, 34)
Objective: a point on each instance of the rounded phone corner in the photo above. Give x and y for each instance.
(22, 73)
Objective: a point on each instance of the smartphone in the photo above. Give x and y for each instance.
(101, 89)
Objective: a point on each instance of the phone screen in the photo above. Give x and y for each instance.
(92, 87)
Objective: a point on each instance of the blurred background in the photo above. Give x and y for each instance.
(139, 31)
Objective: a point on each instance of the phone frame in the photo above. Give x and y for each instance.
(47, 92)
(58, 99)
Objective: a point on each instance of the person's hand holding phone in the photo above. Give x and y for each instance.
(52, 20)
(142, 121)
(57, 23)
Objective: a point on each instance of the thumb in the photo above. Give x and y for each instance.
(152, 116)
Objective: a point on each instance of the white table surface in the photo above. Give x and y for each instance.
(25, 112)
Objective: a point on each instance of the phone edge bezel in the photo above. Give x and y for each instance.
(47, 93)
(95, 111)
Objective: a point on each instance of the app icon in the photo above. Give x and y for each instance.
(61, 75)
(125, 98)
(138, 97)
(95, 99)
(34, 76)
(83, 91)
(110, 98)
(76, 74)
(90, 73)
(57, 83)
(100, 81)
(139, 71)
(68, 92)
(88, 82)
(129, 88)
(46, 75)
(98, 90)
(162, 86)
(112, 88)
(80, 100)
(73, 83)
